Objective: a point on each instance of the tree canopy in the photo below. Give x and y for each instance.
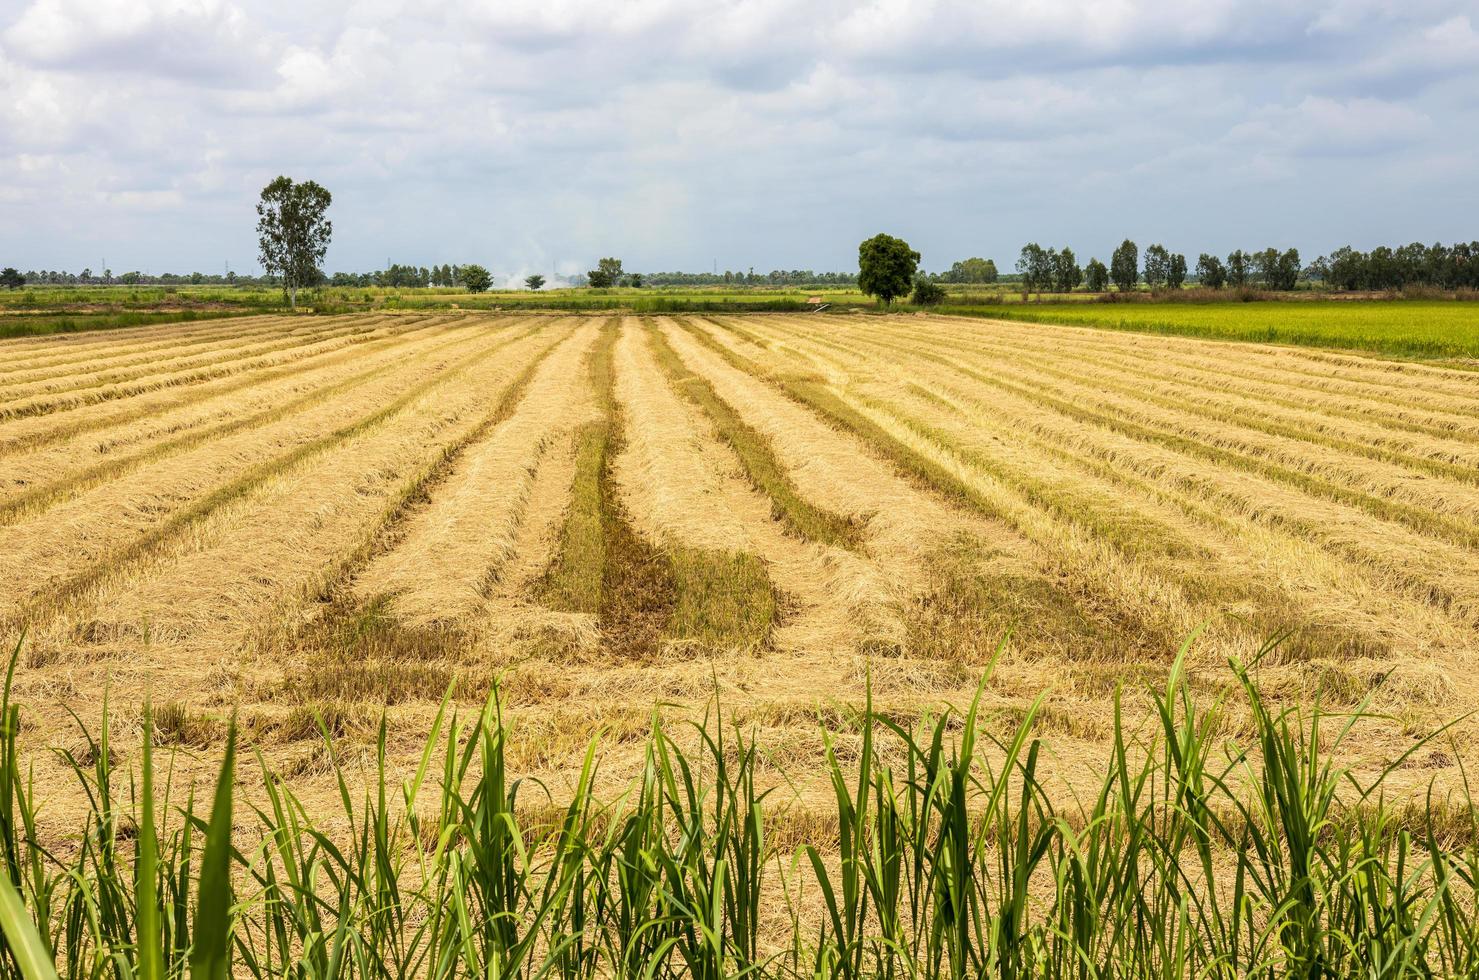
(973, 270)
(1124, 266)
(534, 282)
(475, 278)
(11, 279)
(606, 274)
(293, 233)
(886, 267)
(1096, 276)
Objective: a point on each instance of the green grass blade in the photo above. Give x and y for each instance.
(210, 952)
(21, 935)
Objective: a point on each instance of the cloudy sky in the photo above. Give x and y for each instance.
(539, 134)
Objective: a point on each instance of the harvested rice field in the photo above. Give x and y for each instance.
(305, 521)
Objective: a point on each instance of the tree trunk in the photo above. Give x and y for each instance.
(293, 299)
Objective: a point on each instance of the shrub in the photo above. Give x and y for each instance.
(927, 292)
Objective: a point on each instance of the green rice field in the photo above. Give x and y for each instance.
(1409, 328)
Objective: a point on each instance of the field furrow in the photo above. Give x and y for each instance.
(456, 547)
(1388, 390)
(1442, 449)
(994, 572)
(178, 343)
(255, 559)
(217, 353)
(1010, 416)
(145, 381)
(35, 431)
(61, 470)
(683, 486)
(87, 538)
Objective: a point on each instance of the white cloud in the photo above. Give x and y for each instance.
(208, 41)
(520, 132)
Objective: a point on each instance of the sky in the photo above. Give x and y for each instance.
(539, 135)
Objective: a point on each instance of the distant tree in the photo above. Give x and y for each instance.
(1037, 266)
(1157, 266)
(11, 279)
(973, 270)
(634, 280)
(1124, 266)
(476, 279)
(606, 274)
(1281, 269)
(293, 233)
(1176, 273)
(886, 267)
(1317, 271)
(1066, 273)
(927, 292)
(1211, 272)
(1096, 276)
(534, 282)
(1237, 269)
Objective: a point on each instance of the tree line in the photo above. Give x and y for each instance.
(1441, 266)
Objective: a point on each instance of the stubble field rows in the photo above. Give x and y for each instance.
(292, 519)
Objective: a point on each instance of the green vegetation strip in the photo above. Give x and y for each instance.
(765, 472)
(1212, 846)
(642, 595)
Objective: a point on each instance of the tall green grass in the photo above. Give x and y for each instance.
(948, 857)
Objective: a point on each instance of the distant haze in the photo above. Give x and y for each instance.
(537, 136)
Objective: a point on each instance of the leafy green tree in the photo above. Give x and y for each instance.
(1211, 272)
(635, 280)
(475, 278)
(606, 274)
(1036, 265)
(1157, 266)
(1066, 273)
(1176, 273)
(886, 267)
(534, 282)
(1096, 276)
(293, 233)
(1281, 269)
(1237, 269)
(1124, 266)
(11, 279)
(927, 292)
(973, 270)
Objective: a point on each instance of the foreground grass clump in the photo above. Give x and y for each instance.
(950, 858)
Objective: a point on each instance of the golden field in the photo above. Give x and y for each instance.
(294, 519)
